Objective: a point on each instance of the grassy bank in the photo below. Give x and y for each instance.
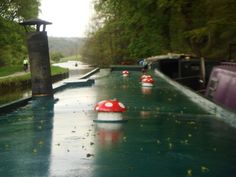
(18, 80)
(71, 58)
(16, 87)
(8, 70)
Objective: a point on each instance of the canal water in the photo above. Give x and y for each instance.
(166, 135)
(76, 70)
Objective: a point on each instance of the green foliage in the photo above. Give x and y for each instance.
(7, 70)
(65, 46)
(70, 58)
(12, 44)
(19, 10)
(56, 56)
(12, 47)
(128, 30)
(58, 70)
(17, 79)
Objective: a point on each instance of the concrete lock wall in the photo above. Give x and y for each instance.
(39, 64)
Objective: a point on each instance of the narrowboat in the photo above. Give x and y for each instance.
(214, 80)
(186, 69)
(221, 87)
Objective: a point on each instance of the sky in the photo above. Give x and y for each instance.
(70, 18)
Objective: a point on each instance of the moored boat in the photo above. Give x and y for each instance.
(221, 87)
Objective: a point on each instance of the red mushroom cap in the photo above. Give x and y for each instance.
(148, 80)
(125, 72)
(110, 106)
(145, 76)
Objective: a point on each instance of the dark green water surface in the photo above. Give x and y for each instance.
(166, 135)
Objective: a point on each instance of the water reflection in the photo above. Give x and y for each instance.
(73, 139)
(25, 142)
(145, 114)
(146, 90)
(109, 133)
(125, 83)
(78, 72)
(43, 113)
(13, 94)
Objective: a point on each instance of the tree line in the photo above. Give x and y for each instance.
(12, 36)
(125, 30)
(61, 47)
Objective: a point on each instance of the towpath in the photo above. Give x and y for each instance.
(14, 75)
(71, 65)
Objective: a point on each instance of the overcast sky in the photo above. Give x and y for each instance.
(70, 18)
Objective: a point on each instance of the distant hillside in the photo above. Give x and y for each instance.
(66, 46)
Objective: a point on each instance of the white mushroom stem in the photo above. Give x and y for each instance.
(109, 116)
(145, 84)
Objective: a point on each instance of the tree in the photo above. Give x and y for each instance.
(12, 45)
(56, 56)
(13, 10)
(129, 30)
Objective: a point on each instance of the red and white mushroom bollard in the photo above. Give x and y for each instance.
(110, 110)
(144, 76)
(147, 82)
(125, 73)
